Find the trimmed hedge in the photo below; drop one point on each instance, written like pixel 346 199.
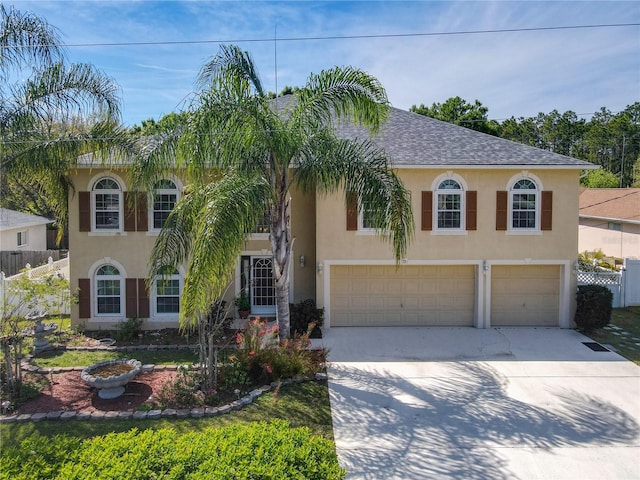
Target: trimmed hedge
pixel 257 450
pixel 594 307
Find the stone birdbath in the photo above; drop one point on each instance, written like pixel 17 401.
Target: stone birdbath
pixel 110 377
pixel 40 331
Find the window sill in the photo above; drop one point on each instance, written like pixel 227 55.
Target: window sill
pixel 258 236
pixel 524 232
pixel 449 232
pixel 107 234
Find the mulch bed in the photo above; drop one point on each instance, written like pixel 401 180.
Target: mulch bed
pixel 69 392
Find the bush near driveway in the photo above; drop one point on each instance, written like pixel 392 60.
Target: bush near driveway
pixel 257 450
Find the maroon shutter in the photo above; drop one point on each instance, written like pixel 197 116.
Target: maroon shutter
pixel 546 211
pixel 427 210
pixel 129 212
pixel 131 287
pixel 352 211
pixel 501 210
pixel 84 204
pixel 84 297
pixel 143 299
pixel 141 212
pixel 472 210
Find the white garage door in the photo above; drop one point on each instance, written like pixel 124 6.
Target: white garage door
pixel 405 296
pixel 525 295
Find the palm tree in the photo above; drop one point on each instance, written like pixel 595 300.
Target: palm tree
pixel 259 148
pixel 59 112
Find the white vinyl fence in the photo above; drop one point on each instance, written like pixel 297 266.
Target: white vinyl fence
pixel 625 285
pixel 11 297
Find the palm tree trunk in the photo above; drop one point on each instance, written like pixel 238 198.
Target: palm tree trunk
pixel 281 244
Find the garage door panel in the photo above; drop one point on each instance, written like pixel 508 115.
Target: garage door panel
pixel 409 295
pixel 526 295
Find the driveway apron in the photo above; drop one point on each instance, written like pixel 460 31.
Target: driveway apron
pixel 464 403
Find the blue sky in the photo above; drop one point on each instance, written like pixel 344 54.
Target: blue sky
pixel 513 74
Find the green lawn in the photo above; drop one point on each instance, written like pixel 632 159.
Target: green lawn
pixel 628 320
pixel 303 404
pixel 72 358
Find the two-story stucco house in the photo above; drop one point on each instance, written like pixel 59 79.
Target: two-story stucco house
pixel 496 238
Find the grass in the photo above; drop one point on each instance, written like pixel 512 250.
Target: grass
pixel 72 358
pixel 303 404
pixel 628 319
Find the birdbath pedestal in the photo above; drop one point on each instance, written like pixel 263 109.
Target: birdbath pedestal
pixel 40 330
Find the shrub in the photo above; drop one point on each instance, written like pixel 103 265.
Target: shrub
pixel 266 360
pixel 302 315
pixel 128 329
pixel 180 392
pixel 594 307
pixel 257 450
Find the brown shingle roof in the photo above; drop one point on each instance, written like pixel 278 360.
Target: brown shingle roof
pixel 615 203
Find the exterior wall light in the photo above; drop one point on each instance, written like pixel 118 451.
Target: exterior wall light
pixel 302 261
pixel 320 267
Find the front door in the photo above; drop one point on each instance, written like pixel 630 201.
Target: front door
pixel 263 292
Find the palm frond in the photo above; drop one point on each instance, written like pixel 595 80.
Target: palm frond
pixel 233 70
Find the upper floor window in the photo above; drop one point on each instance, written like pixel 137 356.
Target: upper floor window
pixel 264 224
pixel 367 218
pixel 107 205
pixel 164 199
pixel 109 290
pixel 449 206
pixel 614 226
pixel 167 292
pixel 22 238
pixel 524 205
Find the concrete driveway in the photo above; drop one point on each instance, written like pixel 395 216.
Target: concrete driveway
pixel 464 403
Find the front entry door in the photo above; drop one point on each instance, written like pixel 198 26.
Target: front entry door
pixel 263 292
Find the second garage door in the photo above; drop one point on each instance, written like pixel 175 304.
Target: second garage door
pixel 525 295
pixel 383 295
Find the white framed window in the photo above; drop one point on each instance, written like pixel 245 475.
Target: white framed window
pixel 106 199
pixel 263 228
pixel 449 205
pixel 166 195
pixel 166 293
pixel 366 219
pixel 22 238
pixel 524 205
pixel 109 291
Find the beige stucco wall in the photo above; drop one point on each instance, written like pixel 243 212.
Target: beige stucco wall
pixel 594 234
pixel 131 250
pixel 559 246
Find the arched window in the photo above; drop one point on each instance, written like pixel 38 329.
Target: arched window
pixel 165 196
pixel 109 290
pixel 166 292
pixel 524 205
pixel 107 205
pixel 449 205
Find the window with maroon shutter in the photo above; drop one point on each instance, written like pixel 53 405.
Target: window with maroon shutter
pixel 129 212
pixel 84 205
pixel 546 217
pixel 142 219
pixel 471 210
pixel 352 211
pixel 84 297
pixel 131 287
pixel 501 210
pixel 427 210
pixel 143 299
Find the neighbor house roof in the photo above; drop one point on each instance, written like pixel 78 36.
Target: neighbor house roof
pixel 11 219
pixel 621 204
pixel 411 140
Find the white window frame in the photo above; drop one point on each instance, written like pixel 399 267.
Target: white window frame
pixel 437 191
pixel 537 192
pixel 162 191
pixel 97 278
pixel 94 209
pixel 22 238
pixel 154 296
pixel 361 226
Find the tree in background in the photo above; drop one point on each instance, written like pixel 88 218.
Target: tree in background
pixel 611 140
pixel 50 111
pixel 457 111
pixel 600 179
pixel 260 148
